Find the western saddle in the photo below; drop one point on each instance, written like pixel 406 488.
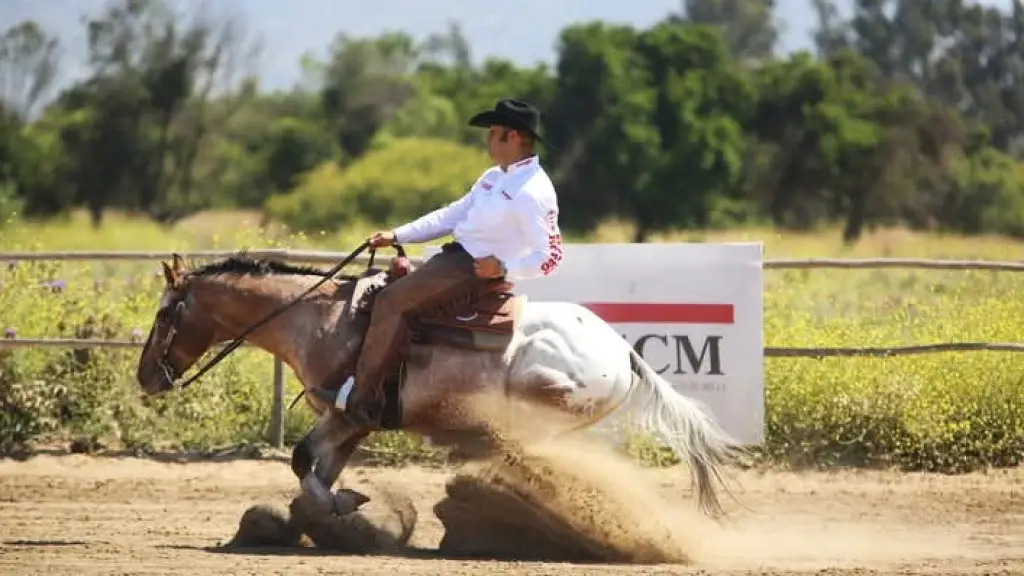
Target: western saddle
pixel 483 320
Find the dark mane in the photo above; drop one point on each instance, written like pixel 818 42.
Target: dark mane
pixel 244 265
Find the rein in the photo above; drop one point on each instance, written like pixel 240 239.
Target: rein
pixel 240 339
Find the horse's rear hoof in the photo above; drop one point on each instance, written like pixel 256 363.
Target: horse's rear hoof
pixel 346 501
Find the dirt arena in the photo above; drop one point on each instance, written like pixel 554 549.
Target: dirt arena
pixel 81 515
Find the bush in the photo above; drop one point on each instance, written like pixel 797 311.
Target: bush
pixel 945 412
pixel 986 194
pixel 398 182
pixel 10 204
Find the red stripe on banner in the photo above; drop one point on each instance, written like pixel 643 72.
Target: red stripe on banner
pixel 621 313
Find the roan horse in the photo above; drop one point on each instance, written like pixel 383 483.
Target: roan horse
pixel 553 353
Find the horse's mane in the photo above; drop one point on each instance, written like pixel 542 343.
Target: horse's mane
pixel 245 266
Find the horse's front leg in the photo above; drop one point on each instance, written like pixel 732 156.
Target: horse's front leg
pixel 328 469
pixel 319 458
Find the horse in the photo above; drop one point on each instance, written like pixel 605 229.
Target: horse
pixel 552 353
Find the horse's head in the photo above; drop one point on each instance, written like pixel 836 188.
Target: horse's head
pixel 181 332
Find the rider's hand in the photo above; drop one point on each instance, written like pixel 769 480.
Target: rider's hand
pixel 488 267
pixel 383 238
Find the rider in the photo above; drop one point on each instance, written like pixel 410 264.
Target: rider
pixel 505 227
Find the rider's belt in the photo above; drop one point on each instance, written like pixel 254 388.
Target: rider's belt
pixel 457 248
pixel 453 247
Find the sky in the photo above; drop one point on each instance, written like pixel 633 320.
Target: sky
pixel 523 31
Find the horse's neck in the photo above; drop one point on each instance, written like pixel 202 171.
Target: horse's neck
pixel 309 337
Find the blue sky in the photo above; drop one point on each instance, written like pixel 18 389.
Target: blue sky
pixel 523 31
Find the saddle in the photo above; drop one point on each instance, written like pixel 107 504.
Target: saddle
pixel 484 319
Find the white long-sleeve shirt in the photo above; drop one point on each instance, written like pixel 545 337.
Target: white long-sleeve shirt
pixel 510 215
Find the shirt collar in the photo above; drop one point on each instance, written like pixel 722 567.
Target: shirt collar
pixel 524 163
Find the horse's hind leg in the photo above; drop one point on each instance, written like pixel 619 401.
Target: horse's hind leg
pixel 555 392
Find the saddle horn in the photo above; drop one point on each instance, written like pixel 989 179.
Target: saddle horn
pixel 400 264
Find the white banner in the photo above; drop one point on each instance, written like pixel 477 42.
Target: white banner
pixel 693 311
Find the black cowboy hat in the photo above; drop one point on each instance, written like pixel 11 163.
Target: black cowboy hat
pixel 511 113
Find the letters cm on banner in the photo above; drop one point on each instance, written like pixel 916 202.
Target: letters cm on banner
pixel 693 311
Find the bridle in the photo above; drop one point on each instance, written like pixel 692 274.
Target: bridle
pixel 164 362
pixel 172 375
pixel 165 366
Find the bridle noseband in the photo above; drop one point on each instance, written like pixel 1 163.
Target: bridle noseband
pixel 165 366
pixel 164 363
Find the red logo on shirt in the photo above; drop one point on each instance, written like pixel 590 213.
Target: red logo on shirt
pixel 554 244
pixel 485 185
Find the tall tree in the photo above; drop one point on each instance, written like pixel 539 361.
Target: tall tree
pixel 364 82
pixel 29 63
pixel 747 26
pixel 149 104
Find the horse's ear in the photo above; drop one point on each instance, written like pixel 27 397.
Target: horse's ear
pixel 170 275
pixel 178 264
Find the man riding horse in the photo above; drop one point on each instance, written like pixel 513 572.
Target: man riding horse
pixel 555 354
pixel 505 228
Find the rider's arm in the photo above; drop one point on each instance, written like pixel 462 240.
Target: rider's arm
pixel 537 211
pixel 435 224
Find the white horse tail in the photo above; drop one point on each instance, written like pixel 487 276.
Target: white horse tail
pixel 686 427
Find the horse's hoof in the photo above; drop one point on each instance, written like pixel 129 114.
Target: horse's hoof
pixel 357 497
pixel 347 501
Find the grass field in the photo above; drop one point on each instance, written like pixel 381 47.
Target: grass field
pixel 955 411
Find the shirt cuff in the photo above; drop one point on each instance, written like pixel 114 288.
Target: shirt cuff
pixel 399 233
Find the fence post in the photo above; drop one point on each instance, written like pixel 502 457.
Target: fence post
pixel 276 426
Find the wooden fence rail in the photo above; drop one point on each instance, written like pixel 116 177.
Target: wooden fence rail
pixel 311 256
pixel 866 263
pixel 276 424
pixel 769 351
pixel 329 257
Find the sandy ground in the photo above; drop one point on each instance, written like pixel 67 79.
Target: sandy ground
pixel 81 515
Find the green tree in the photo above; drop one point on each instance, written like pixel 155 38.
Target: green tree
pixel 703 100
pixel 29 63
pixel 605 145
